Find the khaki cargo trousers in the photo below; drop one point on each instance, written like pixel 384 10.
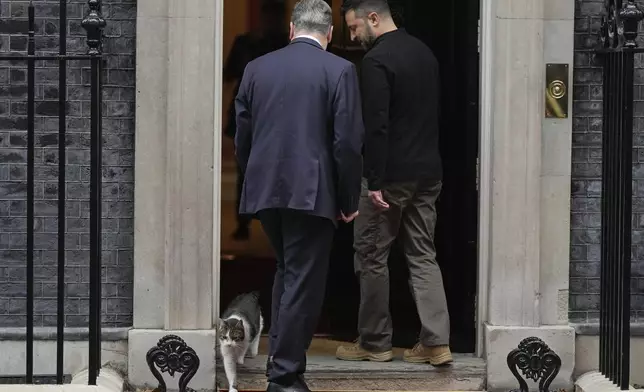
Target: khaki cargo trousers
pixel 412 216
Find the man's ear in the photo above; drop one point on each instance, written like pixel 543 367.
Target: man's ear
pixel 373 18
pixel 330 35
pixel 291 31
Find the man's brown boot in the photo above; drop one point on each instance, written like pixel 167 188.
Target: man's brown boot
pixel 436 355
pixel 357 353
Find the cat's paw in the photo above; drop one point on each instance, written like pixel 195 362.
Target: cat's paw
pixel 240 361
pixel 231 389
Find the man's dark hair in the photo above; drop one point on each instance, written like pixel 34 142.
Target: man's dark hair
pixel 364 7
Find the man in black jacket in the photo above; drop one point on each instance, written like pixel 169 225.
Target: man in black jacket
pixel 402 181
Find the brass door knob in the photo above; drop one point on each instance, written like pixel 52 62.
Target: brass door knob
pixel 557 89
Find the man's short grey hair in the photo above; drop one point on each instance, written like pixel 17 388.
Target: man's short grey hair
pixel 312 16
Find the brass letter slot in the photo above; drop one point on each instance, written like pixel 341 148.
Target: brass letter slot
pixel 557 90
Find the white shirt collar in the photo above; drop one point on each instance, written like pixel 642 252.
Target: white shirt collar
pixel 309 37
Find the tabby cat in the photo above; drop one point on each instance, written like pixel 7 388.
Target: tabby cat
pixel 239 330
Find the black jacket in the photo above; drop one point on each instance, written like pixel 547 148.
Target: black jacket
pixel 400 96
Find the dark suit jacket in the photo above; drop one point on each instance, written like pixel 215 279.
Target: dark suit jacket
pixel 299 132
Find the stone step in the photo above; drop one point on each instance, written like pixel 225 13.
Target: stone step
pixel 326 373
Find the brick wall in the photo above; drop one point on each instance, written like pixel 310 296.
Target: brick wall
pixel 586 172
pixel 118 173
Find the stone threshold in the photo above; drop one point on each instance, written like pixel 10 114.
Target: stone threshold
pixel 316 390
pixel 326 373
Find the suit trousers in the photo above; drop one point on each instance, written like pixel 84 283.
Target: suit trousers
pixel 411 215
pixel 302 245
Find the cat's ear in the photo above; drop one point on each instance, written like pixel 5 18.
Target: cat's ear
pixel 239 324
pixel 219 324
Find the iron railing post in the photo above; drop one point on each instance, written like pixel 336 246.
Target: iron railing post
pixel 62 126
pixel 94 24
pixel 31 86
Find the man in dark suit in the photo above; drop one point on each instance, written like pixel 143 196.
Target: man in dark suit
pixel 299 141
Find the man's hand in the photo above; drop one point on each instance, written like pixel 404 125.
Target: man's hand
pixel 378 200
pixel 349 218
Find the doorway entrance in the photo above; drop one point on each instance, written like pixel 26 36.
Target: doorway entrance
pixel 450 29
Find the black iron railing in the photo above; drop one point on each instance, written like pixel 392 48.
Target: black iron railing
pixel 617 54
pixel 94 24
